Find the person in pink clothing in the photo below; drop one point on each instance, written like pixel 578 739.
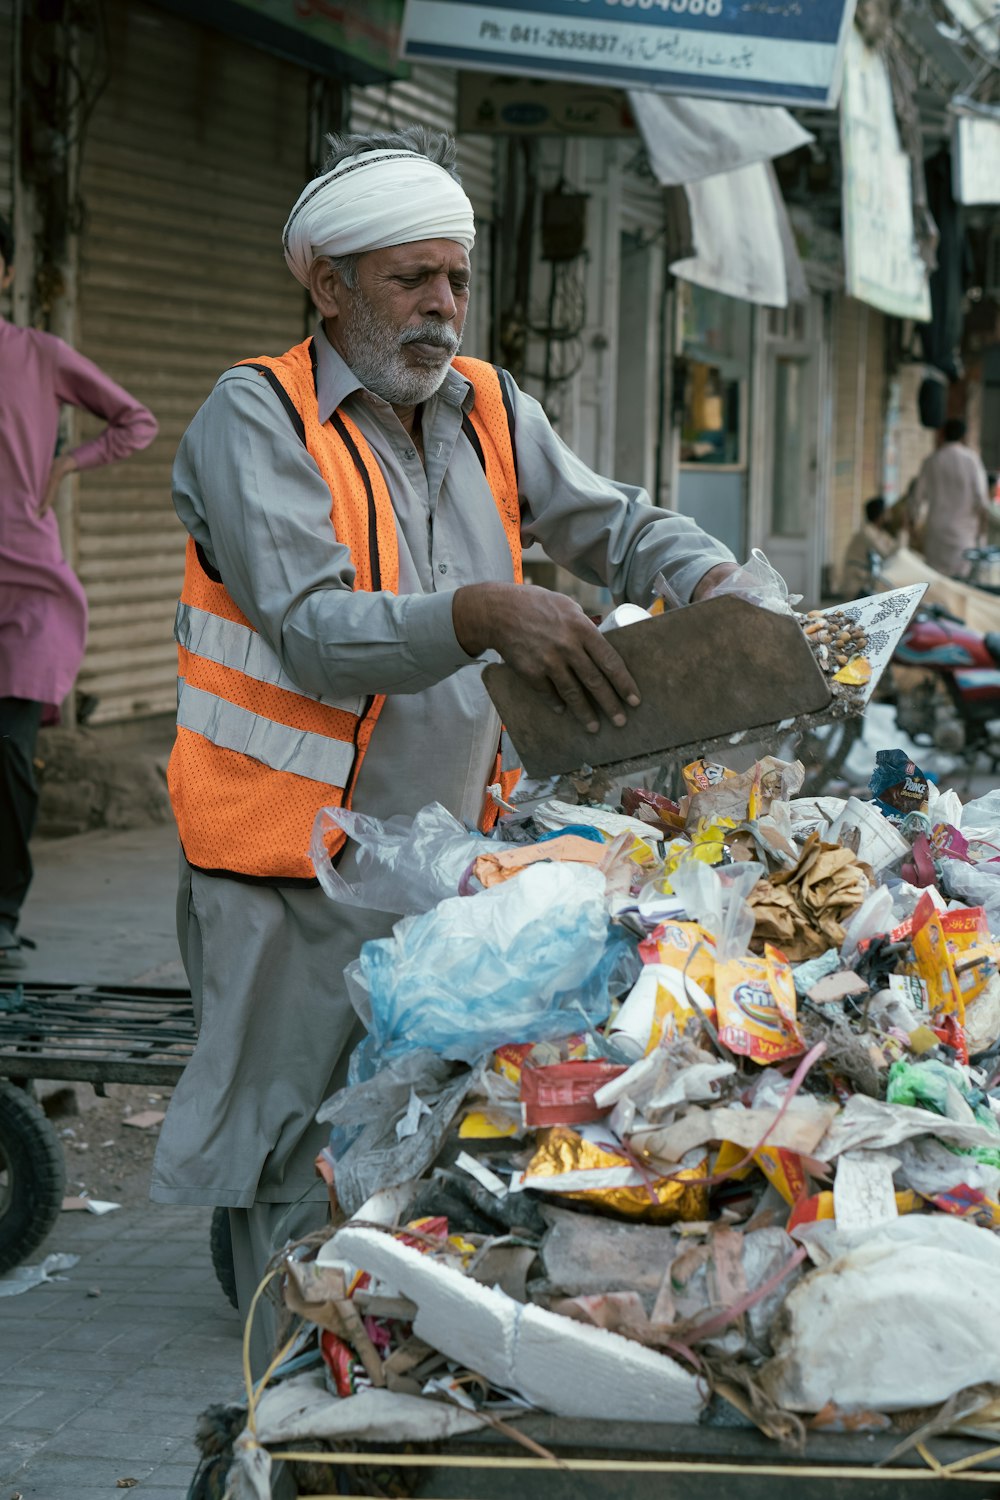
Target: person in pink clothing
pixel 43 609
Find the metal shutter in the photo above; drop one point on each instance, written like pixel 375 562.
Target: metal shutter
pixel 6 107
pixel 430 97
pixel 192 160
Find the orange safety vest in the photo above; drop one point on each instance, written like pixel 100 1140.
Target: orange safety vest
pixel 255 757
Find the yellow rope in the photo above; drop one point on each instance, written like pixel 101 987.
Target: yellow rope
pixel 644 1466
pixel 949 1471
pixel 254 1392
pixel 928 1458
pixel 960 1470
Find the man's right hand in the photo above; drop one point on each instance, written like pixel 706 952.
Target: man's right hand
pixel 547 639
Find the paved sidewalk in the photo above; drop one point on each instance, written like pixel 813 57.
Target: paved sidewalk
pixel 101 909
pixel 94 1389
pixel 98 1388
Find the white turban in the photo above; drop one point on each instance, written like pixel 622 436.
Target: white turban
pixel 372 200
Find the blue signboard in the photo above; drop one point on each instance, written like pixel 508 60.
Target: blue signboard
pixel 767 51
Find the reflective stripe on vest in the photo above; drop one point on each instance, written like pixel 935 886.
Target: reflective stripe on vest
pixel 296 751
pixel 255 757
pixel 241 647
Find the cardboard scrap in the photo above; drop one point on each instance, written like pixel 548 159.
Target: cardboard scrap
pixel 493 869
pixel 803 910
pixel 800 1129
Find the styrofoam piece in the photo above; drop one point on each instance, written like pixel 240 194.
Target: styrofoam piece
pixel 564 1367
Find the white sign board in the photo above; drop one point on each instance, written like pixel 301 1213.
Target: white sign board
pixel 883 263
pixel 761 51
pixel 975 159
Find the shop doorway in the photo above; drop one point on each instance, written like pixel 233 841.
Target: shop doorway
pixel 789 517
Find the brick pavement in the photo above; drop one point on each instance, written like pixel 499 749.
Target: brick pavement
pixel 94 1389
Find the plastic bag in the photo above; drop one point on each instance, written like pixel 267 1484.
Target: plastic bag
pixel 976 885
pixel 717 899
pixel 874 916
pixel 405 865
pixel 524 961
pixel 757 581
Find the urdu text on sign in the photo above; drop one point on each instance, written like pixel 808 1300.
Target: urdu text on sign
pixel 768 51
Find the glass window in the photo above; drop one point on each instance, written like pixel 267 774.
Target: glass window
pixel 716 334
pixel 790 503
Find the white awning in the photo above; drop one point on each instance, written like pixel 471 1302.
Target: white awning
pixel 690 139
pixel 721 154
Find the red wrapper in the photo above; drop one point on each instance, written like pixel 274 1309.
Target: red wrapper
pixel 563 1093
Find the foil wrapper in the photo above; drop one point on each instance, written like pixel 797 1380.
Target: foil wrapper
pixel 591 1168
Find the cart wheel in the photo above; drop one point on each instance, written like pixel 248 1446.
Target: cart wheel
pixel 221 1242
pixel 32 1175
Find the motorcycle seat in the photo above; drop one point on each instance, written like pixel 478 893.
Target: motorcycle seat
pixel 992 639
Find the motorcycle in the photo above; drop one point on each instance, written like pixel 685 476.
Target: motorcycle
pixel 948 691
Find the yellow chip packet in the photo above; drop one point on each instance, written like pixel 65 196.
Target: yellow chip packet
pixel 685 946
pixel 757 1009
pixel 700 775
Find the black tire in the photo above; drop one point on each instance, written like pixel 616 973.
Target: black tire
pixel 32 1176
pixel 221 1241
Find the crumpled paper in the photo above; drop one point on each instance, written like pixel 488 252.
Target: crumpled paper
pixel 802 911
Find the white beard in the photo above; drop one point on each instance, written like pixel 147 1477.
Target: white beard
pixel 373 349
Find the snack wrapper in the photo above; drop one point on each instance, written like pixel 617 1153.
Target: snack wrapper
pixel 590 1166
pixel 700 775
pixel 685 946
pixel 898 785
pixel 653 808
pixel 347 1374
pixel 563 1093
pixel 783 1170
pixel 509 1060
pixel 757 1009
pixel 954 956
pixel 493 1124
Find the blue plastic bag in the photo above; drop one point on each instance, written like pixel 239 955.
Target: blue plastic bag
pixel 524 961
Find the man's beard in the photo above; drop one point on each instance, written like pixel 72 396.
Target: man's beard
pixel 373 349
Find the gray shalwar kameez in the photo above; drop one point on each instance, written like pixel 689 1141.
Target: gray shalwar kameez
pixel 265 962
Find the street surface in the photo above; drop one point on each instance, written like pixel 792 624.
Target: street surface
pixel 103 1374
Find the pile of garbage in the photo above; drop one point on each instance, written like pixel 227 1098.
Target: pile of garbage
pixel 673 1108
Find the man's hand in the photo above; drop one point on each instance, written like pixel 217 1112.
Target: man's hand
pixel 548 640
pixel 60 468
pixel 712 579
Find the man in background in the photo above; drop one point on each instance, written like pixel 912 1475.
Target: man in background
pixel 43 610
pixel 878 538
pixel 952 503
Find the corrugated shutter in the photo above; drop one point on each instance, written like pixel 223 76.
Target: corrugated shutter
pixel 430 97
pixel 192 159
pixel 6 107
pixel 849 353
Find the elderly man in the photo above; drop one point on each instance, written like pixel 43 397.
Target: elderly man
pixel 356 510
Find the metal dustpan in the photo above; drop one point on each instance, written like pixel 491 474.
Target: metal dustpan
pixel 710 674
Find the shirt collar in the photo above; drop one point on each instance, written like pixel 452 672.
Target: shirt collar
pixel 335 381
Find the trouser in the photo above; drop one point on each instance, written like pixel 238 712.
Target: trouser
pixel 258 1233
pixel 20 719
